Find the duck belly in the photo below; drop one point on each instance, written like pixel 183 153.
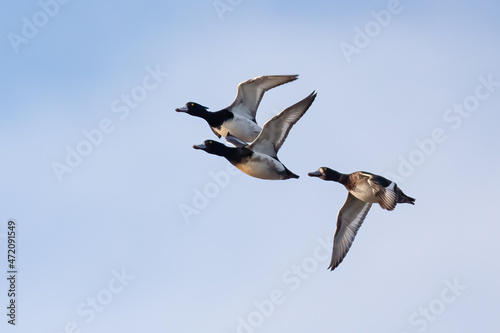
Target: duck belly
pixel 240 127
pixel 364 192
pixel 263 167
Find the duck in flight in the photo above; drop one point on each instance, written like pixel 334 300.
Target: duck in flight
pixel 238 119
pixel 259 159
pixel 364 189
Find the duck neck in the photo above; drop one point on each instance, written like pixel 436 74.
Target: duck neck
pixel 236 154
pixel 344 180
pixel 336 176
pixel 203 113
pixel 216 119
pixel 223 151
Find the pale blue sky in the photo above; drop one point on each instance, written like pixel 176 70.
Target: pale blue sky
pixel 119 210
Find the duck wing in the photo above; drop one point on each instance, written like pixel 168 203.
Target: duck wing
pixel 384 189
pixel 216 134
pixel 349 220
pixel 235 141
pixel 251 91
pixel 275 131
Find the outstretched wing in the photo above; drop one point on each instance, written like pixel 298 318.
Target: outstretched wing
pixel 250 93
pixel 275 131
pixel 349 220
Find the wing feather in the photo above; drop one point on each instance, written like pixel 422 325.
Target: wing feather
pixel 385 192
pixel 275 131
pixel 349 220
pixel 251 91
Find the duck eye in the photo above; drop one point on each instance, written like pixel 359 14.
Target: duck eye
pixel 192 104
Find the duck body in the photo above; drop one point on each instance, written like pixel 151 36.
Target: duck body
pixel 241 127
pixel 364 189
pixel 224 122
pixel 369 187
pixel 263 166
pixel 238 119
pixel 252 163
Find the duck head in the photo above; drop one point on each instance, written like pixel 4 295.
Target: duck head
pixel 213 147
pixel 326 174
pixel 193 109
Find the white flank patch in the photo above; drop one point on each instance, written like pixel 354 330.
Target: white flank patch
pixel 240 127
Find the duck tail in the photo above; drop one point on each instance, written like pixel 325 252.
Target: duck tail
pixel 403 198
pixel 290 174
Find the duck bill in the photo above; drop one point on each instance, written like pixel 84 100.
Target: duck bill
pixel 200 146
pixel 314 174
pixel 183 109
